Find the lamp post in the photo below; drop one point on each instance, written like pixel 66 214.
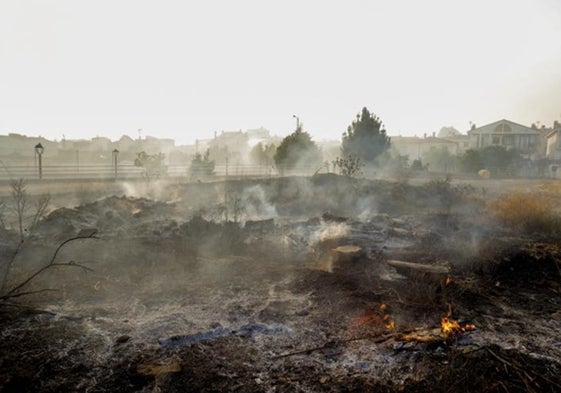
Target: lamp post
pixel 297 121
pixel 115 154
pixel 39 152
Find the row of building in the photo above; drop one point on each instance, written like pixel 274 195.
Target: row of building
pixel 532 142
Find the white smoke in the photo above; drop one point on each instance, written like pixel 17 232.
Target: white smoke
pixel 256 205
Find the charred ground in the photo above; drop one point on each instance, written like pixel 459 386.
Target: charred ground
pixel 198 289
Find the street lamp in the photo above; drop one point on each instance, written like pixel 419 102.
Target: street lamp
pixel 115 154
pixel 297 121
pixel 39 152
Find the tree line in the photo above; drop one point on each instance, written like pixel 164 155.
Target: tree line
pixel 365 144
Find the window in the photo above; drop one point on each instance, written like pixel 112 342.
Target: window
pixel 503 128
pixel 496 140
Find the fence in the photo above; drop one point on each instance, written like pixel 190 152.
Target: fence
pixel 129 171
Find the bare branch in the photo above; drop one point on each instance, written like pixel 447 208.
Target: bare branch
pixel 19 195
pixel 41 206
pixel 73 264
pixel 7 296
pixel 12 292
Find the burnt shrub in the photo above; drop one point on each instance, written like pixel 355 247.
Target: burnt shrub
pixel 208 237
pixel 527 213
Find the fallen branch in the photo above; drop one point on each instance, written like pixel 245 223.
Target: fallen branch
pixel 334 344
pixel 411 266
pixel 12 293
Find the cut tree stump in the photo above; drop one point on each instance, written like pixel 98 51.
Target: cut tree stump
pixel 345 258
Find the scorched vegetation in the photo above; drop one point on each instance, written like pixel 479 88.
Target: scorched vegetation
pixel 298 284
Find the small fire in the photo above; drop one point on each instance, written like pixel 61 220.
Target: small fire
pixel 389 323
pixel 451 328
pixel 372 320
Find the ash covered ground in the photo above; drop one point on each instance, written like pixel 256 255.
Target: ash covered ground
pixel 285 285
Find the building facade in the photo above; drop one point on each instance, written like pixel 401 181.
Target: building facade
pixel 507 134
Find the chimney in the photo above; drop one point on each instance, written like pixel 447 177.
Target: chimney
pixel 473 126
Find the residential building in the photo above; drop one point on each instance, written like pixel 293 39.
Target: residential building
pixel 417 148
pixel 508 134
pixel 553 145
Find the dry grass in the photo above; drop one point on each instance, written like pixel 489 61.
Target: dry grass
pixel 527 212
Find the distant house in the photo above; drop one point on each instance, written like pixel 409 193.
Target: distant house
pixel 17 145
pixel 553 145
pixel 508 134
pixel 229 146
pixel 125 143
pixel 261 134
pixel 447 132
pixel 416 148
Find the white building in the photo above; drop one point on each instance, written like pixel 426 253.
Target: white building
pixel 507 134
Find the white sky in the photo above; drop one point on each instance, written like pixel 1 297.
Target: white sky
pixel 184 69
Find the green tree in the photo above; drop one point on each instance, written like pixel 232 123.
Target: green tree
pixel 497 159
pixel 261 154
pixel 500 161
pixel 365 138
pixel 348 166
pixel 297 150
pixel 417 165
pixel 471 162
pixel 153 164
pixel 201 165
pixel 440 159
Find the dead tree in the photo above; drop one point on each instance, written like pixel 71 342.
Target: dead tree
pixel 20 199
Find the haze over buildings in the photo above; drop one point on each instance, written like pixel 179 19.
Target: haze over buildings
pixel 184 70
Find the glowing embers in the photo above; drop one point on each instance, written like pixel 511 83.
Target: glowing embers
pixel 372 322
pixel 451 328
pixel 379 323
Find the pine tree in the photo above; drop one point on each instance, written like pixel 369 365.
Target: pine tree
pixel 297 150
pixel 365 138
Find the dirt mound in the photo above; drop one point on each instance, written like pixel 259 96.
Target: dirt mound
pixel 125 216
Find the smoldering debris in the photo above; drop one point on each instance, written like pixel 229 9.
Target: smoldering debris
pixel 112 216
pixel 294 292
pixel 249 330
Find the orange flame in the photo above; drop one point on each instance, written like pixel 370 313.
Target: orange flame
pixel 451 328
pixel 389 322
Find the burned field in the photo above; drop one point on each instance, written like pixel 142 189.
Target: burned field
pixel 323 284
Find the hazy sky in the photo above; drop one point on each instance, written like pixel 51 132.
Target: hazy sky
pixel 184 69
